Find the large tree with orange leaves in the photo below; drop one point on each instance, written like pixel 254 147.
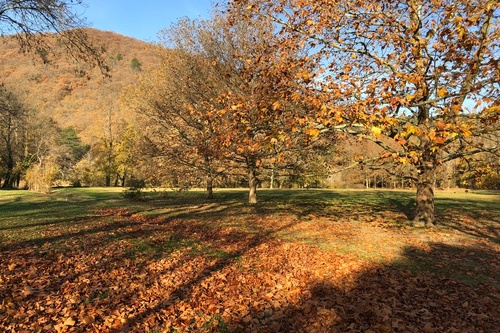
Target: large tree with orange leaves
pixel 214 111
pixel 424 73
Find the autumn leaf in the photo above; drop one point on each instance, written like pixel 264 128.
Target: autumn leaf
pixel 69 322
pixel 442 92
pixel 376 130
pixel 314 132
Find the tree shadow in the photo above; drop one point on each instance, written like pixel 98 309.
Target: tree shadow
pixel 155 266
pixel 424 292
pixel 107 264
pixel 476 218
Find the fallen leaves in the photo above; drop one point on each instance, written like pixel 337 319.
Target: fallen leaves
pixel 126 273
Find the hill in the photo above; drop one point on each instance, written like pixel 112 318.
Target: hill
pixel 72 93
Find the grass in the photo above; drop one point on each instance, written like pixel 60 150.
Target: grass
pixel 111 247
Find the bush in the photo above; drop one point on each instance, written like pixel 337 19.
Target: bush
pixel 41 177
pixel 133 193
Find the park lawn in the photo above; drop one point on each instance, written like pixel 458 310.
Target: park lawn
pixel 88 260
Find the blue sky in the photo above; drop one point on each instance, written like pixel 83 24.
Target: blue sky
pixel 142 19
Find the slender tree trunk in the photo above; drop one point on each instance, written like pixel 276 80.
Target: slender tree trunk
pixel 123 178
pixel 273 171
pixel 210 191
pixel 10 156
pixel 9 175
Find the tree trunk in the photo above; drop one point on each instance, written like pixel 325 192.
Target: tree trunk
pixel 252 183
pixel 424 211
pixel 9 175
pixel 123 178
pixel 273 171
pixel 210 191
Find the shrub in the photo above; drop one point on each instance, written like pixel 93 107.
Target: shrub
pixel 133 193
pixel 41 177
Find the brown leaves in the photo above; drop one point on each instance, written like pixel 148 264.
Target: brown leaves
pixel 127 274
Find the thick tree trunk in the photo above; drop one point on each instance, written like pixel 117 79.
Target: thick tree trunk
pixel 424 210
pixel 252 183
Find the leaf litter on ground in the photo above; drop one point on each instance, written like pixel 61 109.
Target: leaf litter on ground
pixel 252 272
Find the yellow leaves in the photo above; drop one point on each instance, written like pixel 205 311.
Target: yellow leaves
pixel 456 108
pixel 442 92
pixel 314 132
pixel 461 31
pixel 69 322
pixel 304 75
pixel 376 130
pixel 235 107
pixel 276 105
pixel 296 97
pixel 412 129
pixel 465 130
pixel 493 109
pixel 410 98
pixel 440 125
pixel 324 108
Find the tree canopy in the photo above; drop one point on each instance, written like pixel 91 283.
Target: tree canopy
pixel 422 73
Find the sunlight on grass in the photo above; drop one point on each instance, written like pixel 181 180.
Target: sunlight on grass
pixel 92 250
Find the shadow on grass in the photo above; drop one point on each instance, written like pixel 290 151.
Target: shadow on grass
pixel 477 218
pixel 396 298
pixel 120 261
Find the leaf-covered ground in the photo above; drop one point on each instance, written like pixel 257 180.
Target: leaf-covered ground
pixel 300 261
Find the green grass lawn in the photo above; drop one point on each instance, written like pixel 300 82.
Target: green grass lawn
pixel 89 260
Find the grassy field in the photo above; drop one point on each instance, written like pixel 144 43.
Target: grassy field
pixel 89 260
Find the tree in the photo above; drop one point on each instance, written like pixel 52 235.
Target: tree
pixel 135 64
pixel 32 21
pixel 423 73
pixel 71 152
pixel 177 98
pixel 12 121
pixel 210 116
pixel 259 126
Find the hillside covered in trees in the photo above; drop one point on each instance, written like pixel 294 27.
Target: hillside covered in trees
pixel 67 111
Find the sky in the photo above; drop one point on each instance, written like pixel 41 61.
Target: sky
pixel 142 19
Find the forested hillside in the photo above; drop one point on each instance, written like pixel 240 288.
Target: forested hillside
pixel 61 120
pixel 70 92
